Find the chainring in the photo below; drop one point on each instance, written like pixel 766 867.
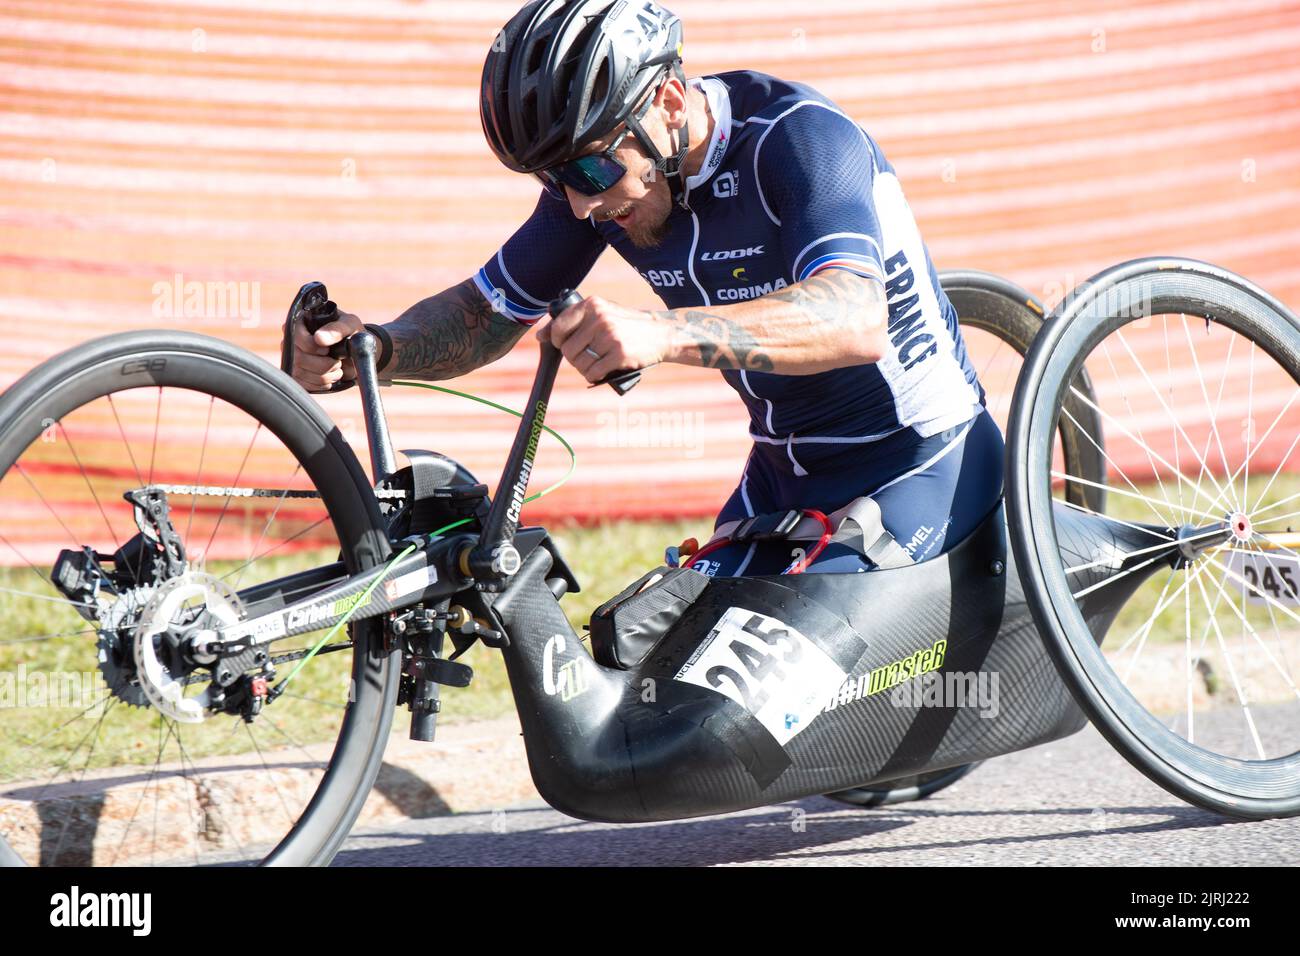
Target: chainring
pixel 116 620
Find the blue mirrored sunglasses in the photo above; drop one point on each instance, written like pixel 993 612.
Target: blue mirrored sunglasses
pixel 589 175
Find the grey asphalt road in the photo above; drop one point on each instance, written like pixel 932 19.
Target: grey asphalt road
pixel 1073 802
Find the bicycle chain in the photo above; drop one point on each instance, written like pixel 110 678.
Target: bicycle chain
pixel 217 491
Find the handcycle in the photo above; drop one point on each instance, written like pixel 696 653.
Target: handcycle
pixel 750 691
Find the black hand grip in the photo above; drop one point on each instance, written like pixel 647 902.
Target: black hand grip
pixel 567 298
pixel 313 308
pixel 622 380
pixel 314 318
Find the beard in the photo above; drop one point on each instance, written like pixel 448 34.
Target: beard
pixel 648 232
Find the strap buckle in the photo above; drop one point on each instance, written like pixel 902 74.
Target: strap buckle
pixel 765 527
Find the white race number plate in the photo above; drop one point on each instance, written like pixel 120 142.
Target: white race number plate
pixel 767 667
pixel 1271 574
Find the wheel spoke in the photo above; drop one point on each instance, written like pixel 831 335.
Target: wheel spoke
pixel 112 535
pixel 1250 629
pixel 1145 628
pixel 45 637
pixel 1216 502
pixel 1120 491
pixel 1113 520
pixel 45 597
pixel 1115 577
pixel 1277 632
pixel 198 475
pixel 1141 438
pixel 277 547
pixel 1260 444
pixel 1281 466
pixel 1205 395
pixel 226 504
pixel 1232 672
pixel 1250 424
pixel 1133 554
pixel 1178 428
pixel 1120 471
pixel 266 527
pixel 288 815
pixel 1277 504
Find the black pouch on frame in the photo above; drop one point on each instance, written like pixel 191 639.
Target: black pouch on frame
pixel 628 626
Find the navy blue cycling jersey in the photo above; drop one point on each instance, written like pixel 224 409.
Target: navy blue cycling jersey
pixel 790 186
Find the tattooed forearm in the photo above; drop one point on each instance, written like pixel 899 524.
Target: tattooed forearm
pixel 720 342
pixel 828 321
pixel 449 334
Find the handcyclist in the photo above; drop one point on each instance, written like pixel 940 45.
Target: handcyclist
pixel 778 237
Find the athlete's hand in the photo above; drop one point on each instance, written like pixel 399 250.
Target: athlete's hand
pixel 313 368
pixel 599 337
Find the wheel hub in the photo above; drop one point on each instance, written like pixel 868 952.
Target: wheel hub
pixel 1239 526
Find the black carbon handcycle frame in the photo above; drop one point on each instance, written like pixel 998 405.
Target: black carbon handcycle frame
pixel 770 688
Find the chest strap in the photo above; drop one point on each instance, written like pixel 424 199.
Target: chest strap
pixel 857 525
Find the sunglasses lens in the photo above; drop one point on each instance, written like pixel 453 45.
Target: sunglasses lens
pixel 589 175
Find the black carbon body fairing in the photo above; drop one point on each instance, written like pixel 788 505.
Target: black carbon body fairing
pixel 941 665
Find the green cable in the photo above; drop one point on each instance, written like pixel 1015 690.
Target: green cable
pixel 573 457
pixel 361 599
pixel 365 595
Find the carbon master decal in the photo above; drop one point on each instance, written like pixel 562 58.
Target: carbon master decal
pixel 889 675
pixel 526 467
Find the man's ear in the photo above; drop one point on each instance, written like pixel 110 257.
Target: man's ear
pixel 671 98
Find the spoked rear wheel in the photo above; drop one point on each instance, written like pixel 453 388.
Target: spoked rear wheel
pixel 112 749
pixel 1172 613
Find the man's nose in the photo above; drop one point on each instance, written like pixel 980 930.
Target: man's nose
pixel 581 205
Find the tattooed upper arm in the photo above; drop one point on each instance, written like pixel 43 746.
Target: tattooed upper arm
pixel 450 334
pixel 845 300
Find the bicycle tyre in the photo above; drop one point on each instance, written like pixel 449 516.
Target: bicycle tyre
pixel 992 304
pixel 213 367
pixel 904 789
pixel 1249 789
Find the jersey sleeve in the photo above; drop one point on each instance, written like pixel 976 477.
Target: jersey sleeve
pixel 549 253
pixel 816 170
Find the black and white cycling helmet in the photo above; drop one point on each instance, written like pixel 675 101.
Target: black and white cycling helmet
pixel 563 73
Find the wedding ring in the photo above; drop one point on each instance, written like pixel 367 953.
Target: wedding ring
pixel 592 352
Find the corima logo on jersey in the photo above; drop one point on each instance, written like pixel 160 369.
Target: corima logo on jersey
pixel 906 325
pixel 749 291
